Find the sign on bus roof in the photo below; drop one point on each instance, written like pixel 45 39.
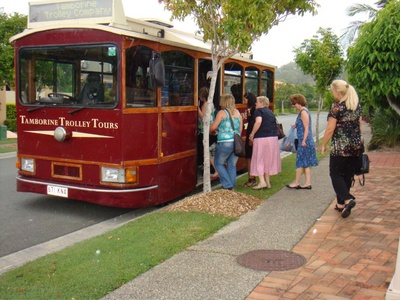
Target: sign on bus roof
pixel 77 11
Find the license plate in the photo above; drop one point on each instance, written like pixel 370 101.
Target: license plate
pixel 57 191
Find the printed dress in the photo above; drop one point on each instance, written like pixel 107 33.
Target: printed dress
pixel 306 156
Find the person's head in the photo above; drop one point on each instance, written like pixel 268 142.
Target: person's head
pixel 203 93
pixel 262 101
pixel 227 102
pixel 298 99
pixel 344 92
pixel 251 99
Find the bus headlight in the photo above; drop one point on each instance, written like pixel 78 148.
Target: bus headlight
pixel 28 165
pixel 112 175
pixel 117 175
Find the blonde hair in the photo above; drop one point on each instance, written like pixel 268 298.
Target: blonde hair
pixel 228 102
pixel 264 100
pixel 348 93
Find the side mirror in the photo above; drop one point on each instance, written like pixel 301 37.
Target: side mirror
pixel 157 70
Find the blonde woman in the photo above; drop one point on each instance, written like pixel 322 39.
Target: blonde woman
pixel 266 159
pixel 225 160
pixel 344 129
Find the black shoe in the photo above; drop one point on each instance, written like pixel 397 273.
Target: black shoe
pixel 347 209
pixel 297 187
pixel 308 187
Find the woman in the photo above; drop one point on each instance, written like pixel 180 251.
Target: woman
pixel 266 158
pixel 306 154
pixel 251 100
pixel 344 119
pixel 225 160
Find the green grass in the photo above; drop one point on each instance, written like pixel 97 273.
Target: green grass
pixel 125 253
pixel 4 145
pixel 77 272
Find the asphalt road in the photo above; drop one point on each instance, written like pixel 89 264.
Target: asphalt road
pixel 28 219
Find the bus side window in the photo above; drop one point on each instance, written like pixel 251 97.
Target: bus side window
pixel 178 87
pixel 139 91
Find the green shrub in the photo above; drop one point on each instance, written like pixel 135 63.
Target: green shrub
pixel 11 111
pixel 11 124
pixel 385 127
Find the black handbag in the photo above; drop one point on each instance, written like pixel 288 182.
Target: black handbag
pixel 239 148
pixel 361 169
pixel 279 129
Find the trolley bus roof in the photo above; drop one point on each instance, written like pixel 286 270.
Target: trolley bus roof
pixel 108 15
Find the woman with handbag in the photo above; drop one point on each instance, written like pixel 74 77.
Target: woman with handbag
pixel 344 119
pixel 306 154
pixel 266 159
pixel 225 159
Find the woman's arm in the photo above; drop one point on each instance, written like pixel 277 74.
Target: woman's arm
pixel 256 126
pixel 306 123
pixel 218 118
pixel 330 129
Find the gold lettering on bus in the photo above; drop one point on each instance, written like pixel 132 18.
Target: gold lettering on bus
pixel 62 121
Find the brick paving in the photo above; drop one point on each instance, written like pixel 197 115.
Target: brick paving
pixel 351 258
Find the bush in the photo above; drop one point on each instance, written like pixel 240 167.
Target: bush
pixel 385 128
pixel 11 111
pixel 11 124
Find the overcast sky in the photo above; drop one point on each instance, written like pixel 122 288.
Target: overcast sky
pixel 275 48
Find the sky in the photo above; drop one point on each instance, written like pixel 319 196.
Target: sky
pixel 275 48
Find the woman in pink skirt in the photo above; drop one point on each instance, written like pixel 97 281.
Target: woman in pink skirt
pixel 266 159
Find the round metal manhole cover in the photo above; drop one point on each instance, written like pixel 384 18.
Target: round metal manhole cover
pixel 271 260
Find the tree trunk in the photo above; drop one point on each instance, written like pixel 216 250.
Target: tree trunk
pixel 206 126
pixel 317 122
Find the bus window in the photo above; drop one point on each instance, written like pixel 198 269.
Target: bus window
pixel 233 81
pixel 267 81
pixel 139 91
pixel 178 88
pixel 65 75
pixel 252 75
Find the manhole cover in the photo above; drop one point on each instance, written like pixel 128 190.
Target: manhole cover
pixel 271 260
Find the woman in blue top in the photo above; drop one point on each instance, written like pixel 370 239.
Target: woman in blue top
pixel 306 153
pixel 225 160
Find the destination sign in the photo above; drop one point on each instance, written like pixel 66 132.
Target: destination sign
pixel 70 10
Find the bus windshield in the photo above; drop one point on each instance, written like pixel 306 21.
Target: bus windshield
pixel 77 76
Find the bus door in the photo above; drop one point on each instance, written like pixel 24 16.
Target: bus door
pixel 177 170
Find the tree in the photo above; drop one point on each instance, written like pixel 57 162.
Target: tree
pixel 352 30
pixel 231 26
pixel 374 60
pixel 320 57
pixel 9 26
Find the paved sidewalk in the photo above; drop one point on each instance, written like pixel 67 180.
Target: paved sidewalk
pixel 351 258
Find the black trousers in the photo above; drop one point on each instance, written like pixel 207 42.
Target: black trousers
pixel 341 171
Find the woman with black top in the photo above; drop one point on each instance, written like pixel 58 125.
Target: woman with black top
pixel 251 107
pixel 266 159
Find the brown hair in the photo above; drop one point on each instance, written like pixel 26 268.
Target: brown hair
pixel 298 99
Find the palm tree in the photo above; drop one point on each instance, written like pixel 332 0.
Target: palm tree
pixel 352 30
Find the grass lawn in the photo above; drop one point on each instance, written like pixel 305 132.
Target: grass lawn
pixel 8 145
pixel 93 268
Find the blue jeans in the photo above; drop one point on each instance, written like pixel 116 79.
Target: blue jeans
pixel 225 163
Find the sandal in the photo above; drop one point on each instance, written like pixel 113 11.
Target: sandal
pixel 339 209
pixel 250 183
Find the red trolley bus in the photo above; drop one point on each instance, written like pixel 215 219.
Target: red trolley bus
pixel 107 105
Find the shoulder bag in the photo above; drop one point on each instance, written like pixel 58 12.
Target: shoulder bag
pixel 239 148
